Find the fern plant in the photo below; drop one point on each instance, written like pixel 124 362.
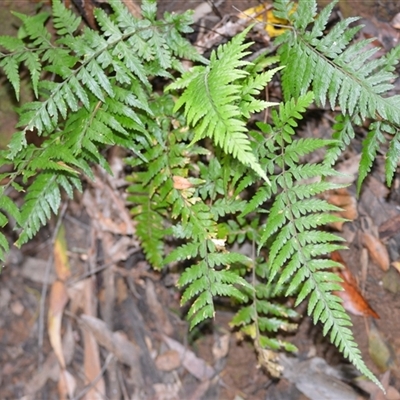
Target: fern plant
pixel 92 90
pixel 202 180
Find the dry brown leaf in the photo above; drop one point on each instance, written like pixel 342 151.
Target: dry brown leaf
pixel 115 342
pixel 201 390
pixel 221 347
pixel 181 183
pixel 168 361
pixel 375 392
pixel 106 207
pixel 76 296
pixel 343 199
pixel 66 385
pixel 157 309
pixel 61 263
pixel 377 250
pixel 50 370
pixel 91 363
pixel 58 301
pixel 389 228
pixel 195 365
pixel 167 391
pixel 316 379
pixel 133 8
pixel 353 300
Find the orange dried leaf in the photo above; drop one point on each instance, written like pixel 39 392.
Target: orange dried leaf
pixel 181 183
pixel 377 250
pixel 353 300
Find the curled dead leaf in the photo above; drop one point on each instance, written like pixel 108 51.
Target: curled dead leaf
pixel 353 301
pixel 377 250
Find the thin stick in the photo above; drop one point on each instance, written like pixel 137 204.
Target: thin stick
pixel 107 361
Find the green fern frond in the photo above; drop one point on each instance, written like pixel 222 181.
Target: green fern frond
pixel 150 225
pixel 203 282
pixel 8 210
pixel 335 70
pixel 346 74
pixel 11 70
pixel 226 96
pixel 43 198
pixel 371 145
pixel 392 157
pixel 343 134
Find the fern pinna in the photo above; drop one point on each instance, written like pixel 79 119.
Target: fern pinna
pixel 346 75
pixel 92 90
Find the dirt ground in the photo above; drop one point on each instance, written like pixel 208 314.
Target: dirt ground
pixel 139 339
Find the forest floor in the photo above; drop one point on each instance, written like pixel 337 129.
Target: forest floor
pixel 125 317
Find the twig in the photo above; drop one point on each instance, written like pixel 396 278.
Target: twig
pixel 107 361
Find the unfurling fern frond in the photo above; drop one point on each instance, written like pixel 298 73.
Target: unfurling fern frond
pixel 344 73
